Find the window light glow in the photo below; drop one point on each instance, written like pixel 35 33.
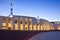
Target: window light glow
pixel 16 24
pixel 21 24
pixel 34 28
pixel 26 24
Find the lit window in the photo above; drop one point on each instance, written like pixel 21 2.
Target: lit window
pixel 16 24
pixel 38 25
pixel 9 20
pixel 21 23
pixel 26 24
pixel 30 24
pixel 9 24
pixel 58 27
pixel 41 27
pixel 21 26
pixel 34 27
pixel 4 23
pixel 3 27
pixel 4 20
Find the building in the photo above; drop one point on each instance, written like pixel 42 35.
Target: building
pixel 56 25
pixel 51 26
pixel 19 23
pixel 26 23
pixel 45 24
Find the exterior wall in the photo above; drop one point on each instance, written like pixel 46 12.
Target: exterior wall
pixel 25 26
pixel 51 26
pixel 58 27
pixel 34 23
pixel 27 23
pixel 3 23
pixel 55 26
pixel 38 24
pixel 45 24
pixel 15 25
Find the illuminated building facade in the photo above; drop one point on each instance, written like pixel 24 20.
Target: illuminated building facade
pixel 19 23
pixel 45 24
pixel 24 23
pixel 56 25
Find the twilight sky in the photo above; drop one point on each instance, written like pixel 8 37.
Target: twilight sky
pixel 46 9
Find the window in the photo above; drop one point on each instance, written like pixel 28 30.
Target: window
pixel 30 24
pixel 21 23
pixel 9 24
pixel 9 20
pixel 4 23
pixel 21 20
pixel 26 23
pixel 3 27
pixel 34 26
pixel 16 24
pixel 38 26
pixel 4 20
pixel 9 28
pixel 16 21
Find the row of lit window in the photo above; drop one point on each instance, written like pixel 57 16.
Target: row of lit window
pixel 16 26
pixel 21 24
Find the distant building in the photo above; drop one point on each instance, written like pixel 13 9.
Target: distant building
pixel 56 25
pixel 51 25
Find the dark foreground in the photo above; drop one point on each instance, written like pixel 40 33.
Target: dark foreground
pixel 19 35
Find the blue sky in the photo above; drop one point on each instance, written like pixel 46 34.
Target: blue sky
pixel 46 9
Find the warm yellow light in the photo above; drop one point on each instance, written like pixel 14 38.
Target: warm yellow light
pixel 21 26
pixel 3 24
pixel 58 28
pixel 26 26
pixel 16 26
pixel 30 24
pixel 26 23
pixel 21 23
pixel 3 28
pixel 47 28
pixel 30 27
pixel 39 28
pixel 9 24
pixel 34 28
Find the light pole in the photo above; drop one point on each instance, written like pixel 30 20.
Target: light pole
pixel 11 8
